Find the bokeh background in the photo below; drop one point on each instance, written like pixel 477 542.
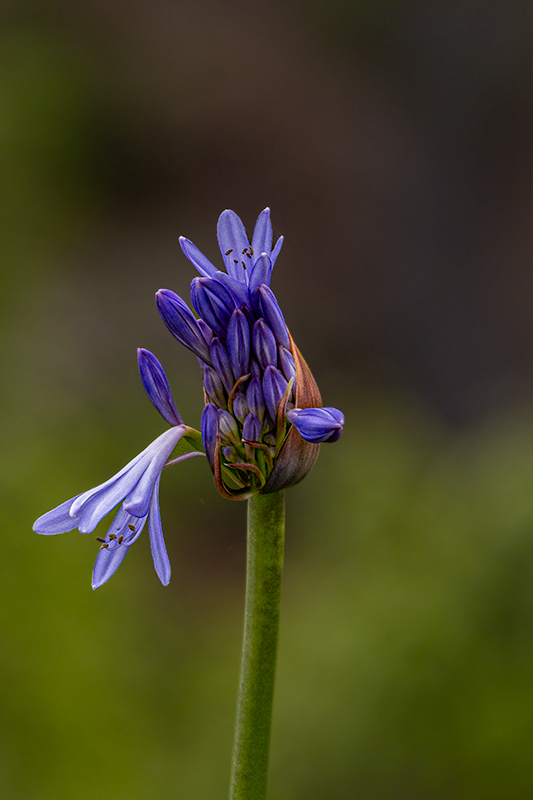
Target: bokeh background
pixel 393 140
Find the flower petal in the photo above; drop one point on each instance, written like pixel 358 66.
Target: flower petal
pixel 196 257
pixel 275 251
pixel 157 387
pixel 58 520
pixel 233 243
pixel 111 557
pixel 262 238
pixel 157 541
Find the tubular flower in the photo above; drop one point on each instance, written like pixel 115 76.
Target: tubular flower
pixel 263 418
pixel 136 487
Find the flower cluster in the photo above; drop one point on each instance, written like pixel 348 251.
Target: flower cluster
pixel 263 418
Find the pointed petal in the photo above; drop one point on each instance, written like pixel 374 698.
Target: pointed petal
pixel 157 387
pixel 262 238
pixel 233 241
pixel 197 258
pixel 157 541
pixel 275 251
pixel 261 272
pixel 110 558
pixel 58 520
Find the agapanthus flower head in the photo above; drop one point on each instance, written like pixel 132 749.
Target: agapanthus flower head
pixel 263 419
pixel 256 382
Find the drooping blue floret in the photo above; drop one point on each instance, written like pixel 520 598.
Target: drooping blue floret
pixel 317 424
pixel 136 487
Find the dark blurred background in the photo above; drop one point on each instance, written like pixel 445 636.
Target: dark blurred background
pixel 393 142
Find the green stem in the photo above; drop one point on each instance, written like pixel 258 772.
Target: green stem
pixel 266 527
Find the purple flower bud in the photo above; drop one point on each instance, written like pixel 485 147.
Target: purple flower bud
pixel 240 407
pixel 274 385
pixel 264 343
pixel 228 428
pixel 156 386
pixel 251 429
pixel 230 454
pixel 265 305
pixel 206 330
pixel 181 323
pixel 238 341
pixel 261 272
pixel 255 398
pixel 210 431
pixel 255 369
pixel 213 386
pixel 213 302
pixel 219 356
pixel 286 363
pixel 317 424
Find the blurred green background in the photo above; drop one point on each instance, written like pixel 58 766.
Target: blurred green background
pixel 393 142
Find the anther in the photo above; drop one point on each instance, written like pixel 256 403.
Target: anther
pixel 235 260
pixel 120 539
pixel 131 527
pixel 251 251
pixel 228 251
pixel 245 250
pixel 112 536
pixel 104 546
pixel 99 539
pixel 244 265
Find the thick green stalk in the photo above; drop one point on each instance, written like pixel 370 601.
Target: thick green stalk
pixel 266 527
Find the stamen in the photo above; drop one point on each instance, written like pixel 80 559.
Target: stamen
pixel 244 265
pixel 120 539
pixel 228 251
pixel 131 527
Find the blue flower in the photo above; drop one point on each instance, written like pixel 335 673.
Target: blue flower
pixel 136 487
